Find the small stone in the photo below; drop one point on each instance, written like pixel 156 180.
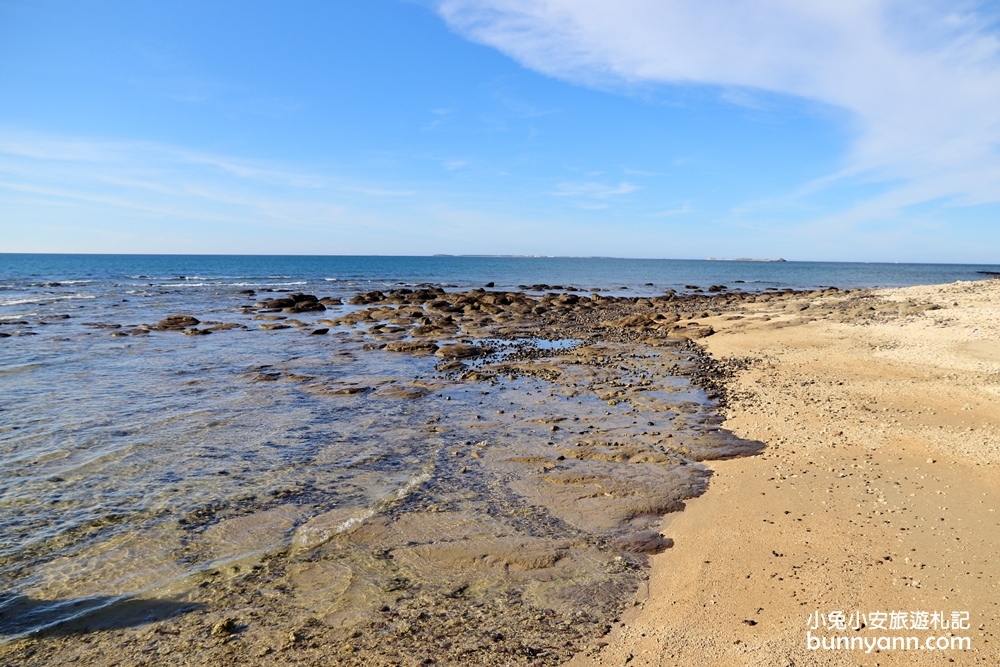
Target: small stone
pixel 224 628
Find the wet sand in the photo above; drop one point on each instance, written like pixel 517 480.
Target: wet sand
pixel 877 490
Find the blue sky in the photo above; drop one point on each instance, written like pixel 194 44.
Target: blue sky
pixel 865 130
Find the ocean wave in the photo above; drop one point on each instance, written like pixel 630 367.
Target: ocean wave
pixel 302 282
pixel 19 302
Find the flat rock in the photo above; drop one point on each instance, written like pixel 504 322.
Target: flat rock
pixel 644 542
pixel 462 351
pixel 176 322
pixel 412 346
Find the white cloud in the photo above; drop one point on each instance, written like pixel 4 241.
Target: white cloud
pixel 141 191
pixel 921 79
pixel 593 190
pixel 670 213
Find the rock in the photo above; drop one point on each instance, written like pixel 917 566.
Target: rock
pixel 271 326
pixel 349 391
pixel 176 323
pixel 196 332
pixel 692 331
pixel 369 297
pixel 448 366
pixel 412 346
pixel 644 542
pixel 319 332
pixel 224 628
pixel 403 391
pixel 304 307
pixel 462 351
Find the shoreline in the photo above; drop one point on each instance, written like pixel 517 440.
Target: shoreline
pixel 582 505
pixel 875 493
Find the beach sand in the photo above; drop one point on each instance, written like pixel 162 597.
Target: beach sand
pixel 877 490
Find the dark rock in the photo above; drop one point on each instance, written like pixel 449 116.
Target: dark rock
pixel 349 391
pixel 369 297
pixel 412 346
pixel 449 366
pixel 319 332
pixel 462 351
pixel 176 323
pixel 644 542
pixel 305 307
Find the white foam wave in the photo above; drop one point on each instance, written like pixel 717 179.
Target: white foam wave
pixel 19 302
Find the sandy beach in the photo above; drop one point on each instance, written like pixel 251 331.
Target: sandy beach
pixel 876 493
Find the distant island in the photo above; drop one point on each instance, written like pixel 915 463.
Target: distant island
pixel 441 254
pixel 744 259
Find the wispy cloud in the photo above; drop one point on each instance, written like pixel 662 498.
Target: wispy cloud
pixel 377 192
pixel 593 190
pixel 107 185
pixel 920 78
pixel 672 212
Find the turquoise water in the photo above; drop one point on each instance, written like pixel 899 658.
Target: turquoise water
pixel 19 273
